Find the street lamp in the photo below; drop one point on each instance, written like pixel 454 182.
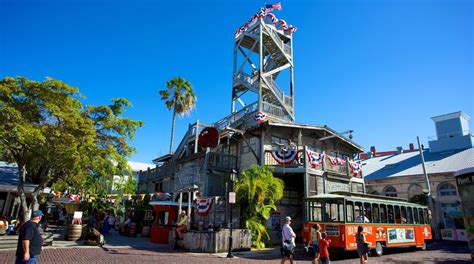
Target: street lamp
pixel 231 201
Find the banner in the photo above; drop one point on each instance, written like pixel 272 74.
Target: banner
pixel 315 159
pixel 203 205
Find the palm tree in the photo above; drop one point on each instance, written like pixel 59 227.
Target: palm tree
pixel 180 97
pixel 257 192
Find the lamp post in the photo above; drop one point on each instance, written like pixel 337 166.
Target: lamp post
pixel 231 201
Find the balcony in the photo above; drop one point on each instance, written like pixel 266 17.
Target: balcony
pixel 211 160
pixel 298 161
pixel 333 165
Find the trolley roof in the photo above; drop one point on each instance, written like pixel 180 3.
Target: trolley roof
pixel 364 198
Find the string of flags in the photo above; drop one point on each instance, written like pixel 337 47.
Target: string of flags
pixel 269 18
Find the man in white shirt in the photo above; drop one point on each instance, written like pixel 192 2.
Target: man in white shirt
pixel 288 240
pixel 362 219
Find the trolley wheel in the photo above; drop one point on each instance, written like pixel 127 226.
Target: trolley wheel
pixel 378 249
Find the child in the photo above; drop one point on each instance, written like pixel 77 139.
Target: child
pixel 323 249
pixel 316 237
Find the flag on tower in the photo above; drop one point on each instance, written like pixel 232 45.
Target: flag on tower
pixel 273 7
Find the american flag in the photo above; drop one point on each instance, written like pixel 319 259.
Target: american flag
pixel 271 7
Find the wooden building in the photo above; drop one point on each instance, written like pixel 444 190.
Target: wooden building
pixel 261 130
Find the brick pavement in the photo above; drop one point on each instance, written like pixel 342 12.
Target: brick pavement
pixel 438 254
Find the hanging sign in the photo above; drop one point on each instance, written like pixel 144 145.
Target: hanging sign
pixel 232 197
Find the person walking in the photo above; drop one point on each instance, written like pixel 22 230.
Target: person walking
pixel 29 241
pixel 288 239
pixel 323 249
pixel 316 238
pixel 362 245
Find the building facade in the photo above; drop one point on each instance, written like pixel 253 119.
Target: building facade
pixel 400 173
pixel 261 130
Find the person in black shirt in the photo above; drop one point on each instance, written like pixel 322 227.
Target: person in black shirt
pixel 29 240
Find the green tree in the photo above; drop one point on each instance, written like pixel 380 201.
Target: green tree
pixel 48 133
pixel 180 97
pixel 257 192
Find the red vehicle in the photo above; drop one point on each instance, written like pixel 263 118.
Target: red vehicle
pixel 387 221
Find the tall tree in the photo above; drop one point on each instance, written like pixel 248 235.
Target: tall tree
pixel 178 96
pixel 257 193
pixel 49 134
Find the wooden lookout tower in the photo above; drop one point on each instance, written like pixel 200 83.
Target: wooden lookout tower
pixel 263 51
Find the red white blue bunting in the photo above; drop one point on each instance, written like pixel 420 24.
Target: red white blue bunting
pixel 335 161
pixel 356 168
pixel 284 156
pixel 260 117
pixel 315 158
pixel 280 24
pixel 203 205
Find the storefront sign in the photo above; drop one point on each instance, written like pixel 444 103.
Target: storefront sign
pixel 338 186
pixel 400 235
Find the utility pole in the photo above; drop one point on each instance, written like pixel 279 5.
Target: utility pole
pixel 427 191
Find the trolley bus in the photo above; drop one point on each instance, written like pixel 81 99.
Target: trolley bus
pixel 387 221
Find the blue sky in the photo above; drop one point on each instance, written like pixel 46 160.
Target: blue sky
pixel 380 67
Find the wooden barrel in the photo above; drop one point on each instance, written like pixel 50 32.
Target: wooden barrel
pixel 133 229
pixel 75 232
pixel 146 231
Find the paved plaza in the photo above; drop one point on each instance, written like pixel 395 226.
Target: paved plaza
pixel 121 249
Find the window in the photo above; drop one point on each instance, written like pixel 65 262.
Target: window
pixel 290 197
pixel 350 212
pixel 383 213
pixel 390 214
pixel 368 212
pixel 416 218
pixel 409 215
pixel 315 211
pixel 376 213
pixel 398 219
pixel 404 215
pixel 447 189
pixel 357 209
pixel 340 155
pixel 278 143
pixel 333 212
pixel 390 192
pixel 425 216
pixel 420 216
pixel 253 142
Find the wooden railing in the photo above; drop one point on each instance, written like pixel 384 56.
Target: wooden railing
pixel 341 166
pixel 223 162
pixel 297 162
pixel 215 161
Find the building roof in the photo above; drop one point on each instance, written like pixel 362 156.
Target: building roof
pixel 409 164
pixel 9 178
pixel 139 166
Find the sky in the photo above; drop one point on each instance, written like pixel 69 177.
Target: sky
pixel 382 68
